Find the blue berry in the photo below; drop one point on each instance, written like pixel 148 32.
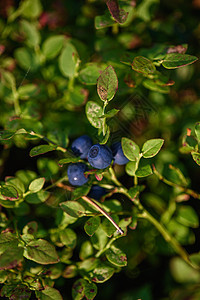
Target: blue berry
pixel 100 156
pixel 97 192
pixel 75 174
pixel 81 146
pixel 119 157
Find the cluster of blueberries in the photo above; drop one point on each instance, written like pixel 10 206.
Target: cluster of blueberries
pixel 98 156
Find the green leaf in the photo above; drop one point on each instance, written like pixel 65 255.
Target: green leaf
pixel 196 157
pixel 68 160
pixel 103 21
pixel 143 170
pixel 152 147
pixel 68 238
pixel 112 205
pixel 135 190
pixel 187 216
pixel 107 84
pixel 31 33
pixel 26 59
pixel 86 250
pixel 197 131
pixel 68 61
pixel 111 113
pixel 92 225
pixel 153 86
pixel 36 185
pixel 9 192
pixel 90 73
pixel 108 227
pixel 41 149
pixel 80 191
pixel 8 79
pixel 6 135
pixel 131 168
pixel 90 290
pixel 143 65
pixel 177 60
pixel 52 46
pixel 70 271
pixel 182 272
pixel 30 228
pixel 102 273
pixel 99 238
pixel 78 96
pixel 48 293
pixel 116 256
pixel 11 258
pixel 36 198
pixel 16 183
pixel 195 259
pixel 130 149
pixel 27 91
pixel 16 291
pixel 94 112
pixel 31 9
pixel 73 208
pixel 7 240
pixel 41 252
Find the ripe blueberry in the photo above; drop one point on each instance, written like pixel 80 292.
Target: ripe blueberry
pixel 97 192
pixel 75 174
pixel 81 146
pixel 119 157
pixel 100 156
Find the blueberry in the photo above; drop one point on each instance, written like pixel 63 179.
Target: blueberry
pixel 75 174
pixel 119 157
pixel 100 156
pixel 97 192
pixel 81 146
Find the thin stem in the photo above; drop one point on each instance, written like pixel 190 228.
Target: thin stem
pixel 184 189
pixel 113 177
pixel 166 235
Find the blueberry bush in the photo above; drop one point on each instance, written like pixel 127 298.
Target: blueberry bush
pixel 100 156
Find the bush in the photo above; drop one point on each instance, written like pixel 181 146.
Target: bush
pixel 115 72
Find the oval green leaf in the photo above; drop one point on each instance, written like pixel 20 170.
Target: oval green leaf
pixel 107 84
pixel 130 149
pixel 92 225
pixel 68 61
pixel 94 112
pixel 41 149
pixel 152 147
pixel 36 185
pixel 116 257
pixel 73 208
pixel 52 46
pixel 143 65
pixel 177 60
pixel 68 238
pixel 41 252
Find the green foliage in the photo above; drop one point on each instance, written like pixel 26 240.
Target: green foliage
pixel 116 71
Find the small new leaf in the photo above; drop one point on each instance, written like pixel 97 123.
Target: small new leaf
pixel 36 185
